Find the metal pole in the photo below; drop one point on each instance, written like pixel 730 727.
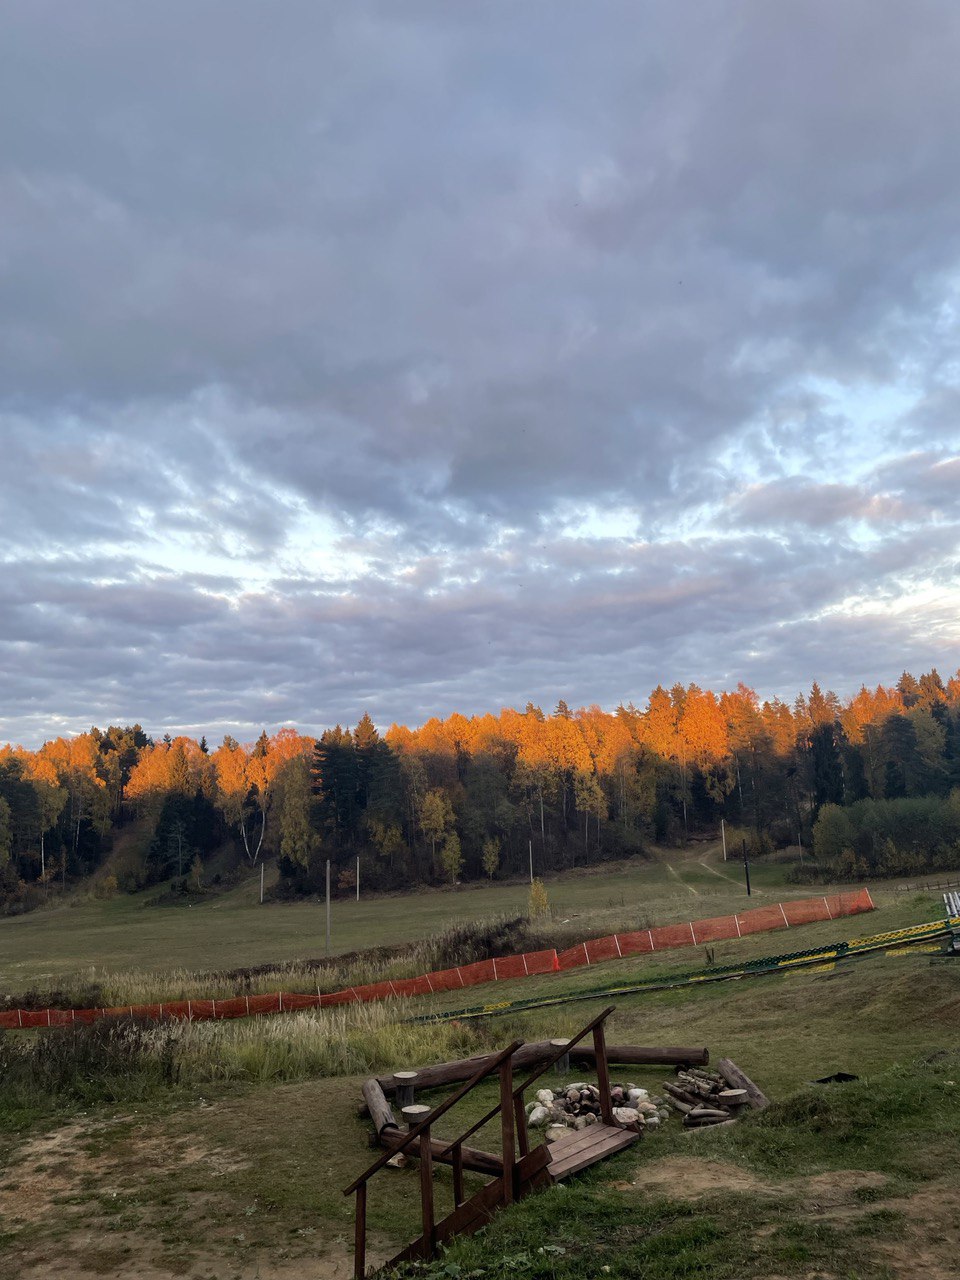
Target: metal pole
pixel 328 906
pixel 358 877
pixel 723 837
pixel 531 862
pixel 746 868
pixel 261 884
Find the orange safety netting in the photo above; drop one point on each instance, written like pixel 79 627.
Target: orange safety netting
pixel 593 951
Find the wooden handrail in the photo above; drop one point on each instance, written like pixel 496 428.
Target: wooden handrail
pixel 601 1017
pixel 518 1092
pixel 490 1064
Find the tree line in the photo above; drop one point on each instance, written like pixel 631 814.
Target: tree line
pixel 469 797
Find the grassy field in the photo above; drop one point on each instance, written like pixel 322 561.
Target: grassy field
pixel 233 930
pixel 233 1178
pixel 217 1151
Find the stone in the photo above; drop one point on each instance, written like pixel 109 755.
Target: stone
pixel 555 1132
pixel 545 1097
pixel 538 1116
pixel 626 1115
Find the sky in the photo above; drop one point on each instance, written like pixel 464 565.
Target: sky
pixel 412 357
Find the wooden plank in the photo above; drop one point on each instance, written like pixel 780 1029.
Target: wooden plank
pixel 530 1166
pixel 580 1139
pixel 484 1203
pixel 597 1135
pixel 578 1160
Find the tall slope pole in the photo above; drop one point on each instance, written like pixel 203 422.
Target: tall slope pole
pixel 328 906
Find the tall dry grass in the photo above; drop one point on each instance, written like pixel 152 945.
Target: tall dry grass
pixel 125 1060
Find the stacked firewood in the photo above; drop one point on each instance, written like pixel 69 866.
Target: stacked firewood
pixel 576 1106
pixel 704 1097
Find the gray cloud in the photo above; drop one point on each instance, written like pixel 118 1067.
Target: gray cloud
pixel 335 340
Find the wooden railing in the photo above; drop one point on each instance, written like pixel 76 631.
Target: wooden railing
pixel 513 1132
pixel 420 1133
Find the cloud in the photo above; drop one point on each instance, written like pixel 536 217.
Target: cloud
pixel 332 338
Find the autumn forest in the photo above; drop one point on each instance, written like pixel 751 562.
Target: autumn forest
pixel 869 786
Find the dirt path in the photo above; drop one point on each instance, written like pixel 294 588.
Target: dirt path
pixel 676 875
pixel 237 1190
pixel 756 893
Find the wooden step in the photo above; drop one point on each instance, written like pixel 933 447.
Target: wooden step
pixel 585 1147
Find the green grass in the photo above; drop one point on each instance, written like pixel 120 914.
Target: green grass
pixel 83 938
pixel 901 1122
pixel 242 1168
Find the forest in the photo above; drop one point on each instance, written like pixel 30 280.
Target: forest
pixel 870 786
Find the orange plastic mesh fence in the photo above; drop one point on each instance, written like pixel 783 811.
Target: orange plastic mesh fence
pixel 762 920
pixel 672 935
pixel 573 957
pixel 599 949
pixel 716 929
pixel 636 944
pixel 594 951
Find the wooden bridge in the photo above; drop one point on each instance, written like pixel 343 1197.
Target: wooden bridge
pixel 518 1170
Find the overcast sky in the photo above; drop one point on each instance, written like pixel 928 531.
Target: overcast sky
pixel 425 356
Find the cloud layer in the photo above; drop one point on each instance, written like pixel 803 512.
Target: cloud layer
pixel 411 358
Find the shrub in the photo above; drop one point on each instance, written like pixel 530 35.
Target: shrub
pixel 539 904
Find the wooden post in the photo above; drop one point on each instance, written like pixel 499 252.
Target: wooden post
pixel 426 1191
pixel 458 1196
pixel 520 1117
pixel 405 1081
pixel 360 1233
pixel 506 1129
pixel 415 1114
pixel 603 1074
pixel 563 1064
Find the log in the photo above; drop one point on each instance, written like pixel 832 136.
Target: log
pixel 680 1106
pixel 703 1128
pixel 405 1082
pixel 640 1056
pixel 529 1055
pixel 732 1097
pixel 737 1079
pixel 476 1161
pixel 378 1106
pixel 674 1090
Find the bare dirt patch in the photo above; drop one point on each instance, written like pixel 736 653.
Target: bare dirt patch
pixel 690 1178
pixel 927 1243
